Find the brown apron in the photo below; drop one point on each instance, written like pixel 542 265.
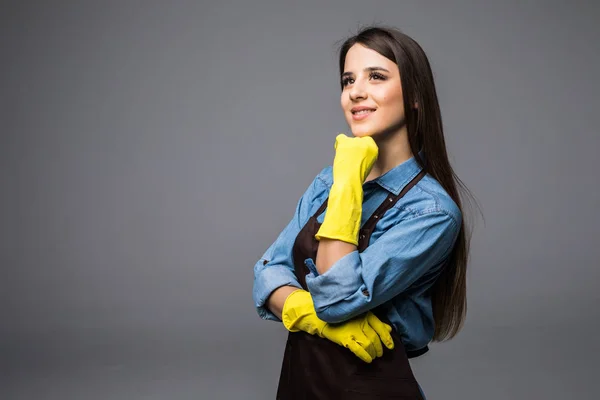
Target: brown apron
pixel 315 368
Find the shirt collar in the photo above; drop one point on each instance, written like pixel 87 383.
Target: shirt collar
pixel 398 177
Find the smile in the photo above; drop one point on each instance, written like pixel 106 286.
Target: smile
pixel 362 114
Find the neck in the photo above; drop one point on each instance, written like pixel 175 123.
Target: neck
pixel 393 150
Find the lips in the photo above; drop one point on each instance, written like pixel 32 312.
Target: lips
pixel 361 110
pixel 360 115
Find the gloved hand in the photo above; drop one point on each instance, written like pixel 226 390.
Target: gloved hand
pixel 354 158
pixel 362 335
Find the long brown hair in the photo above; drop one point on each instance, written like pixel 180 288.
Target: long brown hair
pixel 425 132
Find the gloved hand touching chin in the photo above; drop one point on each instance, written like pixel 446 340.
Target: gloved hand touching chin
pixel 354 158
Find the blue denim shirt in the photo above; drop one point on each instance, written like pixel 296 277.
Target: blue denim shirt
pixel 406 253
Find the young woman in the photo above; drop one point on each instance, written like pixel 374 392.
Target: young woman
pixel 373 265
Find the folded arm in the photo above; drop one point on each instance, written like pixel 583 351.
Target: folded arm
pixel 358 282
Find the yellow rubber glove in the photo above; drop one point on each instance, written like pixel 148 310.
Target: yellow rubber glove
pixel 362 335
pixel 354 158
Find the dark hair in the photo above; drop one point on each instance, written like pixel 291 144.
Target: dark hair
pixel 425 133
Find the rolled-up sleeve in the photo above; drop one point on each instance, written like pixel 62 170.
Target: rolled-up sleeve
pixel 276 267
pixel 358 282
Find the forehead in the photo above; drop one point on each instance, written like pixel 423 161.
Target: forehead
pixel 360 57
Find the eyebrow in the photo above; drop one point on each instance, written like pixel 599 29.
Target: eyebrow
pixel 368 69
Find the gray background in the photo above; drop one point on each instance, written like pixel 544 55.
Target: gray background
pixel 151 151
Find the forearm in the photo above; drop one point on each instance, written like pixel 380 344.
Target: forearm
pixel 330 251
pixel 277 299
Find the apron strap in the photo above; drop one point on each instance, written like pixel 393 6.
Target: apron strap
pixel 322 208
pixel 367 229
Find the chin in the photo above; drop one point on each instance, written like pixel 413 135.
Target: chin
pixel 361 133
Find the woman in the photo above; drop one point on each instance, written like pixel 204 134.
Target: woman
pixel 373 265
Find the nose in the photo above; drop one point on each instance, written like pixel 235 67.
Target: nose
pixel 357 91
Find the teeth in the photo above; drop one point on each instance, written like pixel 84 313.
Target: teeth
pixel 362 112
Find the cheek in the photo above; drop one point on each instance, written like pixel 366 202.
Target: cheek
pixel 391 96
pixel 344 104
pixel 345 98
pixel 394 103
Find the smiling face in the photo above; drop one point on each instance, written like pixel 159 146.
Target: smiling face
pixel 372 93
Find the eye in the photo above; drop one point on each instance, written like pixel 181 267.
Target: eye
pixel 346 81
pixel 373 75
pixel 378 76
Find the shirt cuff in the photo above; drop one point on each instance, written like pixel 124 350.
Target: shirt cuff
pixel 266 281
